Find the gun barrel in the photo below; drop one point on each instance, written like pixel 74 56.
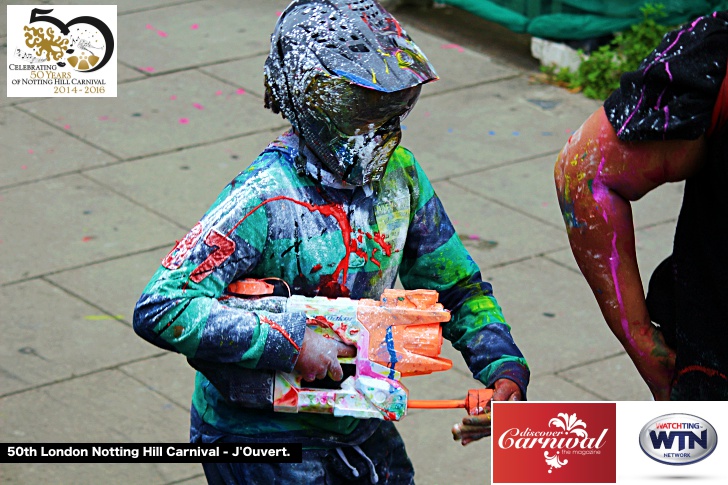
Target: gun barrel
pixel 475 402
pixel 436 403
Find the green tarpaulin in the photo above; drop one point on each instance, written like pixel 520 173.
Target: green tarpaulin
pixel 580 19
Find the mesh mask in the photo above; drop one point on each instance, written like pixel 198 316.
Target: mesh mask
pixel 344 73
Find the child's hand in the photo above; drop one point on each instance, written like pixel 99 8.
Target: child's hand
pixel 318 357
pixel 474 428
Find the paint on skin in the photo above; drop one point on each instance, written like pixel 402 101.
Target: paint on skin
pixel 599 191
pixel 568 209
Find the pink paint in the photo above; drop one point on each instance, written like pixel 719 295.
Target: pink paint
pixel 149 27
pixel 600 192
pixel 198 106
pixel 666 110
pixel 66 127
pixel 218 92
pixel 87 238
pixel 162 33
pixel 629 118
pixel 194 26
pixel 658 58
pixel 23 167
pixel 103 118
pixel 240 91
pixel 184 121
pixel 30 151
pixel 279 13
pixel 173 97
pixel 453 46
pixel 147 69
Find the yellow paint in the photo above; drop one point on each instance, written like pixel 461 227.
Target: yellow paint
pixel 103 317
pixel 567 183
pixel 374 77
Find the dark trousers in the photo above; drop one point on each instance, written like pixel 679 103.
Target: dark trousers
pixel 381 459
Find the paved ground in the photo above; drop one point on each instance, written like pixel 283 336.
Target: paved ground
pixel 94 192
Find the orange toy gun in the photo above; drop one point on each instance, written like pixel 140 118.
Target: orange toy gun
pixel 398 336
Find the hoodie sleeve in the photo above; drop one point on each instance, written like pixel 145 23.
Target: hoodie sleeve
pixel 184 307
pixel 435 258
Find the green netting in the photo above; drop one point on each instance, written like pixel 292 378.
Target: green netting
pixel 580 19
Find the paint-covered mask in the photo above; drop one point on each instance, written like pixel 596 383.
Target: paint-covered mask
pixel 344 73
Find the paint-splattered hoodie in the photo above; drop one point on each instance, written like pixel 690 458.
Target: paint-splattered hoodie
pixel 323 239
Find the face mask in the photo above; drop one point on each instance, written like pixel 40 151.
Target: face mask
pixel 354 130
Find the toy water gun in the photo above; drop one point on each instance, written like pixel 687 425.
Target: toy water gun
pixel 398 336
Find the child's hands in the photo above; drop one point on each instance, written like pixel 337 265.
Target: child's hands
pixel 473 428
pixel 318 357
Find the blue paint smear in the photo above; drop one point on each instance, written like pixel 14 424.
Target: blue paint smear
pixel 392 353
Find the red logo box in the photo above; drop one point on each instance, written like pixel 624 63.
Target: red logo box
pixel 554 442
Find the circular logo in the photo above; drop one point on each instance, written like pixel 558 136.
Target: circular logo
pixel 678 439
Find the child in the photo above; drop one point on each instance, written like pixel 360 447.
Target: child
pixel 333 207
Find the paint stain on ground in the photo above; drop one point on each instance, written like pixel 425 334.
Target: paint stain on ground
pixel 545 104
pixel 160 33
pixel 476 242
pixel 456 47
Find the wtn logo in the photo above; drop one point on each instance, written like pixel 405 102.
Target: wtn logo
pixel 678 439
pixel 665 439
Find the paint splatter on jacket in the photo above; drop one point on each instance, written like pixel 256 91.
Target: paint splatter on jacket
pixel 323 239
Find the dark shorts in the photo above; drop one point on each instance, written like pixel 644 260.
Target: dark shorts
pixel 380 459
pixel 693 323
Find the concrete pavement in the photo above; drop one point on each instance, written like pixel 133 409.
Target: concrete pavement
pixel 94 192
